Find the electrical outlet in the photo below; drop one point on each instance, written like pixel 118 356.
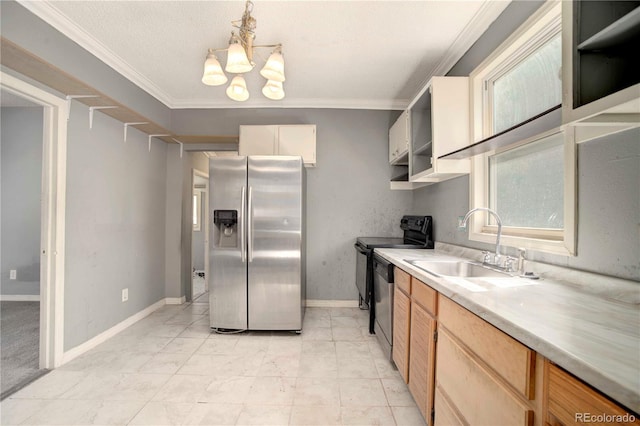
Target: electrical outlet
pixel 461 225
pixel 13 274
pixel 125 294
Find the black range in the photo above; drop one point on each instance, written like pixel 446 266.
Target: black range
pixel 418 234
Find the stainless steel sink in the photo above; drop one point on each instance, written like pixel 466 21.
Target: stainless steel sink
pixel 456 269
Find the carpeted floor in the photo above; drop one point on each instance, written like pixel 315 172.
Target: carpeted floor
pixel 19 345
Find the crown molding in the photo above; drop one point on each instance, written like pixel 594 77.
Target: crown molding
pixel 482 19
pixel 398 104
pixel 60 22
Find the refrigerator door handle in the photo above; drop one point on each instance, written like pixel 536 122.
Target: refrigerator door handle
pixel 250 228
pixel 243 251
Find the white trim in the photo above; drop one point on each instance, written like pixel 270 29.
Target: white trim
pixel 19 297
pixel 60 22
pixel 312 303
pixel 310 103
pixel 53 204
pixel 107 334
pixel 175 300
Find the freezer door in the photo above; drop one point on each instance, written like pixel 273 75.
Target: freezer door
pixel 275 242
pixel 227 243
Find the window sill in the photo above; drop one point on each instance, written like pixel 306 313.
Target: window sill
pixel 536 244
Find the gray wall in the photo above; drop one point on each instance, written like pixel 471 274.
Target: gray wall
pixel 115 225
pixel 608 184
pixel 348 192
pixel 21 153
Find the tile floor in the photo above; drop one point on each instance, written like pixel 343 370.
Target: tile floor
pixel 169 369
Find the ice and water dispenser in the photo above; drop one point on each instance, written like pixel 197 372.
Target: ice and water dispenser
pixel 225 231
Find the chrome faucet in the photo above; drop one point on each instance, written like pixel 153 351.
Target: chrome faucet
pixel 487 258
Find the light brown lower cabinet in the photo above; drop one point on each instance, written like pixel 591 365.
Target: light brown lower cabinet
pixel 445 414
pixel 474 391
pixel 422 359
pixel 475 374
pixel 401 322
pixel 572 402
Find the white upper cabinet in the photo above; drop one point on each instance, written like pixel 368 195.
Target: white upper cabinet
pixel 399 140
pixel 600 78
pixel 257 140
pixel 280 140
pixel 439 126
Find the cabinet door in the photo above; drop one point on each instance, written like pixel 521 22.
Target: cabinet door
pixel 422 358
pixel 257 140
pixel 401 323
pixel 298 140
pixel 475 393
pixel 399 138
pixel 449 114
pixel 570 401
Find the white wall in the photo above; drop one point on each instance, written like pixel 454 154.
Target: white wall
pixel 115 231
pixel 21 153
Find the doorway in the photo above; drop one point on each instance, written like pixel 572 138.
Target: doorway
pixel 21 147
pixel 33 259
pixel 200 238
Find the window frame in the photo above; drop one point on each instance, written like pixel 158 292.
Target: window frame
pixel 541 27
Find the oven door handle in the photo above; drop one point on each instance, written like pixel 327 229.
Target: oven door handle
pixel 360 249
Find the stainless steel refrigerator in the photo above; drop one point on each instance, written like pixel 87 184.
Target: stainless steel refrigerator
pixel 257 244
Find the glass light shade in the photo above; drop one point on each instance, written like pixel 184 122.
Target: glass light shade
pixel 237 61
pixel 274 68
pixel 237 90
pixel 273 90
pixel 213 75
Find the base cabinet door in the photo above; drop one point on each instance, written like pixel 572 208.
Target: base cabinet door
pixel 421 359
pixel 445 414
pixel 570 402
pixel 401 323
pixel 476 394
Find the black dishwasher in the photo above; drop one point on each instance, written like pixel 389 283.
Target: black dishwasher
pixel 383 308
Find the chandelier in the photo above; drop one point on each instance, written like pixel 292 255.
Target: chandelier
pixel 240 61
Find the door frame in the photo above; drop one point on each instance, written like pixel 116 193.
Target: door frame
pixel 52 217
pixel 205 222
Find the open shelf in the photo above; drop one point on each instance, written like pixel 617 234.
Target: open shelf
pixel 604 38
pixel 403 160
pixel 619 32
pixel 424 149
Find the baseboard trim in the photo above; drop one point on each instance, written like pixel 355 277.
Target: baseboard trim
pixel 107 334
pixel 19 297
pixel 175 300
pixel 311 303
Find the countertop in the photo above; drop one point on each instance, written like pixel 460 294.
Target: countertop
pixel 594 337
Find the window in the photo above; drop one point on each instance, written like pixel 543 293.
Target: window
pixel 526 184
pixel 527 89
pixel 531 184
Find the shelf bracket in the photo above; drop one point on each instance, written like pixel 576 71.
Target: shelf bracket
pixel 93 108
pixel 132 124
pixel 181 145
pixel 71 97
pixel 154 136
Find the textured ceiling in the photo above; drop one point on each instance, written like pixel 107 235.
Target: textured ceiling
pixel 341 54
